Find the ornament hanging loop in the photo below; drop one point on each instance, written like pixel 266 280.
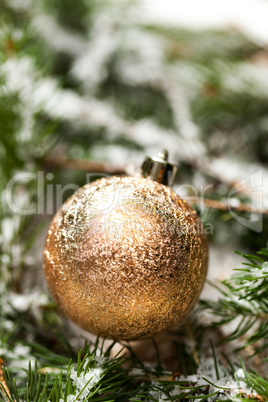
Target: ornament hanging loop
pixel 159 169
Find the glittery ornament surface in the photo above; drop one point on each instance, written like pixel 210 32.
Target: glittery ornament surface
pixel 125 257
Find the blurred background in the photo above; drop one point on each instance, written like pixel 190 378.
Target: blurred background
pixel 114 81
pixel 89 86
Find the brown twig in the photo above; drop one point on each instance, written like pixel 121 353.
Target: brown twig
pixel 3 385
pixel 85 165
pixel 215 204
pixel 103 167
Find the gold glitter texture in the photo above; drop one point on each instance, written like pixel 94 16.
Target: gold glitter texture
pixel 125 257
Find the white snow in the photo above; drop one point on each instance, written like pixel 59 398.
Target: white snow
pixel 63 40
pixel 91 66
pixel 86 380
pixel 250 16
pixel 206 370
pixel 23 302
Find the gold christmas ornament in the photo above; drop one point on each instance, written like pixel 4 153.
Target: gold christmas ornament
pixel 125 257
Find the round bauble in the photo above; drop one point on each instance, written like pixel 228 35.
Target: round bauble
pixel 125 257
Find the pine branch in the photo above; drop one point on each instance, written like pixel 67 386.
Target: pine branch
pixel 99 377
pixel 244 295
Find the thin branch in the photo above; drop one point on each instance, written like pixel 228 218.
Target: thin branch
pixel 84 165
pixel 215 204
pixel 103 167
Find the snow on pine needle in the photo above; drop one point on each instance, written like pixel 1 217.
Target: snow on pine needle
pixel 211 382
pixel 84 381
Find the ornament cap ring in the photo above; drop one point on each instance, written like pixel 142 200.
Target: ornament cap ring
pixel 159 169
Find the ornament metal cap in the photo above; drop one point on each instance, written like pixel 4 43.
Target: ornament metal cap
pixel 159 169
